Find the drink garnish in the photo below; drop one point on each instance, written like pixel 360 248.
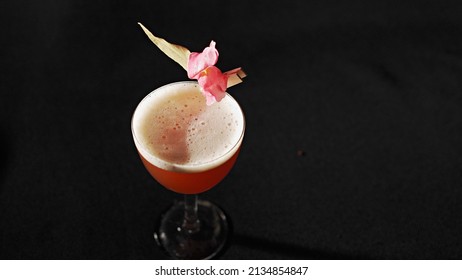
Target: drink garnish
pixel 201 66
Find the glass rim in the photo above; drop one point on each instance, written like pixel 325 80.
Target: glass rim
pixel 190 167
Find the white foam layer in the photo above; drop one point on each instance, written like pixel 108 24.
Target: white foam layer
pixel 175 130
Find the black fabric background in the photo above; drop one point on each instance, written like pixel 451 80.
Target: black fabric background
pixel 369 91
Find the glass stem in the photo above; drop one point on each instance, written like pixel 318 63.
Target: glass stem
pixel 191 223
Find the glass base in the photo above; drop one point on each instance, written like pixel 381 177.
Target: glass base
pixel 205 242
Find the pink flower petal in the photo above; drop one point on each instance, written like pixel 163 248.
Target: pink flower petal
pixel 213 84
pixel 198 62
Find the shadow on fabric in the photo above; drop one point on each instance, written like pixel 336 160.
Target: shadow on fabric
pixel 290 251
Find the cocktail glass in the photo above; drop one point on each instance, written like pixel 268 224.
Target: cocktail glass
pixel 189 147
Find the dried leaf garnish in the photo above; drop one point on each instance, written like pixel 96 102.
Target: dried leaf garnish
pixel 178 53
pixel 235 76
pixel 200 66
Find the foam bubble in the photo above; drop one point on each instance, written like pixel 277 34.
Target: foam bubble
pixel 191 136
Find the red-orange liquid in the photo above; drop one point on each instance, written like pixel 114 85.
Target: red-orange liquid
pixel 187 146
pixel 190 183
